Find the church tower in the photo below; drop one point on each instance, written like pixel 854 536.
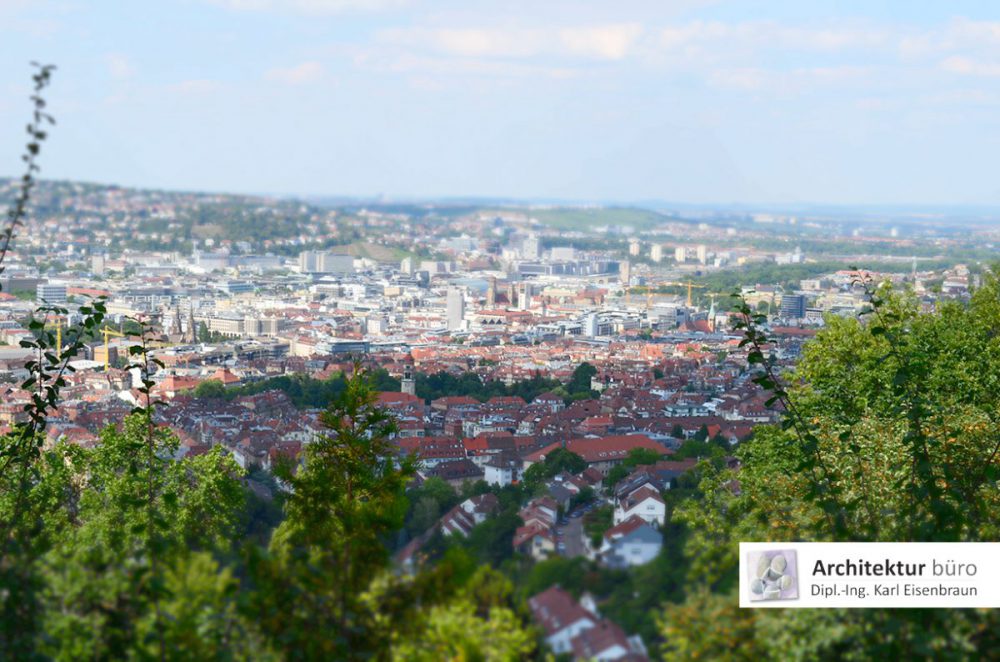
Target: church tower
pixel 408 384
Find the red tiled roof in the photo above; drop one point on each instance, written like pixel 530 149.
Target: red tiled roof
pixel 601 449
pixel 555 609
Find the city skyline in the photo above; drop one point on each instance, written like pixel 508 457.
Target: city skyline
pixel 695 102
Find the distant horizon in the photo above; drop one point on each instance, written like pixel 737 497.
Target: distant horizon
pixel 659 206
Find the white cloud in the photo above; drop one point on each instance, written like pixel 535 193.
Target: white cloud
pixel 120 66
pixel 308 7
pixel 968 66
pixel 599 42
pixel 300 74
pixel 424 65
pixel 194 87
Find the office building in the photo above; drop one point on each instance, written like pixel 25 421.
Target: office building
pixel 793 306
pixel 455 308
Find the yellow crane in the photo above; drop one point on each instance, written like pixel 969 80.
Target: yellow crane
pixel 689 285
pixel 107 333
pixel 58 325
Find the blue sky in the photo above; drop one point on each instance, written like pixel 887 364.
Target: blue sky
pixel 690 100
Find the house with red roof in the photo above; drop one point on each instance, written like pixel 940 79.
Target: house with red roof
pixel 644 501
pixel 600 453
pixel 632 542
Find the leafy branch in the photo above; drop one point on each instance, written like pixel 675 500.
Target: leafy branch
pixel 823 487
pixel 35 129
pixel 145 364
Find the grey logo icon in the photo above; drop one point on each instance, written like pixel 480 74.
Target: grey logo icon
pixel 773 575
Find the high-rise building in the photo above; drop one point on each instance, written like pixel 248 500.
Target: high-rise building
pixel 625 272
pixel 323 262
pixel 634 247
pixel 455 308
pixel 406 266
pixel 680 254
pixel 491 292
pixel 702 253
pixel 656 253
pixel 532 248
pixel 50 293
pixel 524 296
pixel 793 306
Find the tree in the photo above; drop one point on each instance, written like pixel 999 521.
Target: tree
pixel 210 389
pixel 480 623
pixel 580 381
pixel 346 496
pixel 137 520
pixel 890 434
pixel 556 462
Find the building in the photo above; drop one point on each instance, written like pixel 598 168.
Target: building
pixel 408 384
pixel 561 618
pixel 491 292
pixel 702 252
pixel 323 262
pixel 455 308
pixel 563 254
pixel 531 249
pixel 625 272
pixel 680 254
pixel 406 266
pixel 656 253
pixel 793 306
pixel 575 630
pixel 634 247
pixel 633 542
pixel 51 293
pixel 644 502
pixel 232 287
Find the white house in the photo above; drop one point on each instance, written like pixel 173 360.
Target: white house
pixel 644 502
pixel 633 542
pixel 561 618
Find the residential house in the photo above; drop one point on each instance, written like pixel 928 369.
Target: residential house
pixel 633 542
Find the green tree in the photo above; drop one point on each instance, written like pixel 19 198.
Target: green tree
pixel 580 381
pixel 556 462
pixel 890 434
pixel 346 496
pixel 137 518
pixel 480 623
pixel 210 389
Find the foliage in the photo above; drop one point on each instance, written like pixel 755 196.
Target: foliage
pixel 345 497
pixel 305 391
pixel 889 434
pixel 480 623
pixel 139 514
pixel 636 457
pixel 596 522
pixel 556 462
pixel 427 504
pixel 580 381
pixel 444 384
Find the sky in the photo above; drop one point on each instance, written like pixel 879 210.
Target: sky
pixel 694 101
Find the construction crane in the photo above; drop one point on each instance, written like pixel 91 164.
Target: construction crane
pixel 58 325
pixel 107 333
pixel 689 285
